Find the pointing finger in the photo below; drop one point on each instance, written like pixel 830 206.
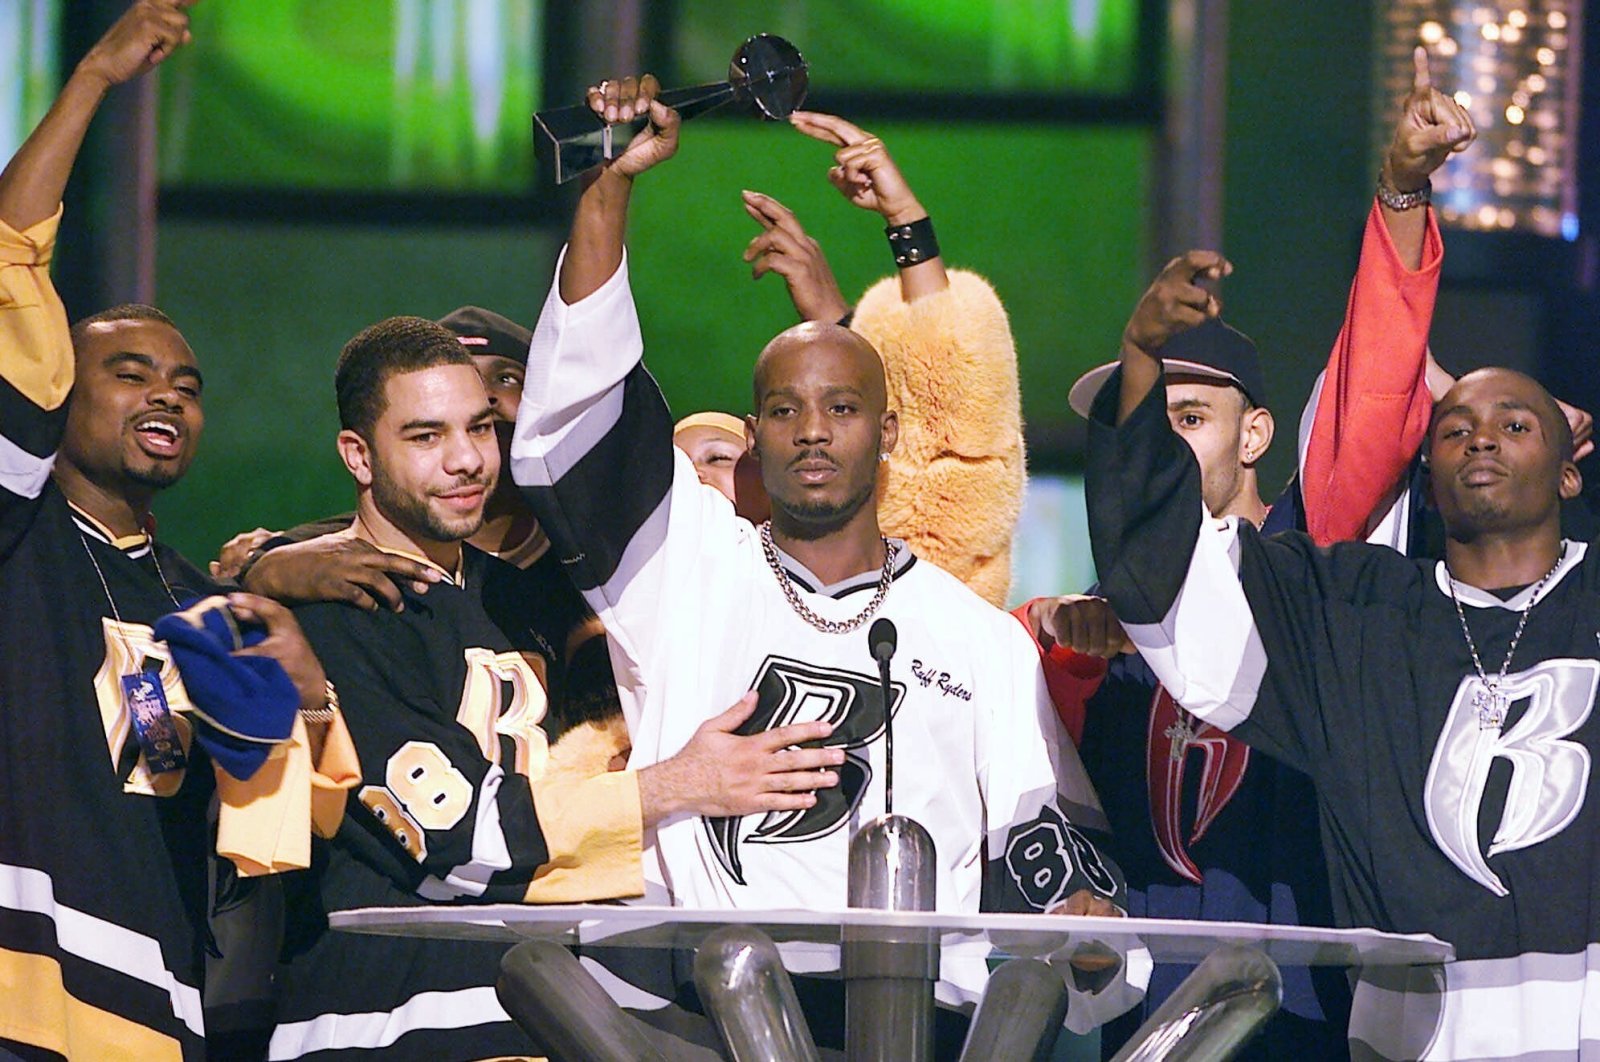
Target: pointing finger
pixel 828 127
pixel 756 215
pixel 782 217
pixel 1420 81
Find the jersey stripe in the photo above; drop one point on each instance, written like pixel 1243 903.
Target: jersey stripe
pixel 375 1030
pixel 34 429
pixel 98 941
pixel 611 490
pixel 22 473
pixel 41 1012
pixel 1528 1007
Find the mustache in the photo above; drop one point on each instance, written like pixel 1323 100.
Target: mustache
pixel 816 454
pixel 461 482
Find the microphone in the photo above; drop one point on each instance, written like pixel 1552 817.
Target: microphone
pixel 881 639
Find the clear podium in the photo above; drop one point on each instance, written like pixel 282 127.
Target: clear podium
pixel 1231 990
pixel 1003 935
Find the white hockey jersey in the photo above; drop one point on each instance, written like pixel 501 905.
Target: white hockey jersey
pixel 697 617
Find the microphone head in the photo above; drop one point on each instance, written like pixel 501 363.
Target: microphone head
pixel 881 637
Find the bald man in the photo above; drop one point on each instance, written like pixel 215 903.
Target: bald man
pixel 702 606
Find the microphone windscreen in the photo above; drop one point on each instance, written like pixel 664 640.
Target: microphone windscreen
pixel 881 637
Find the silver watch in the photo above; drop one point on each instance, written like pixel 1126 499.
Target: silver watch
pixel 1395 199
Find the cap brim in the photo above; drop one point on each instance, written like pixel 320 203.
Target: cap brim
pixel 726 423
pixel 1087 387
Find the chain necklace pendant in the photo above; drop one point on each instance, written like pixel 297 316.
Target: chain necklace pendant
pixel 1180 733
pixel 1491 706
pixel 1488 701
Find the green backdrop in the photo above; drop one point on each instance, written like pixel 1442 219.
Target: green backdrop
pixel 1053 216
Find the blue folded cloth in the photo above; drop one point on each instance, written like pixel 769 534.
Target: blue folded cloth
pixel 243 705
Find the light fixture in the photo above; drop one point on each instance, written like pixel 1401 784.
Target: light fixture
pixel 1513 65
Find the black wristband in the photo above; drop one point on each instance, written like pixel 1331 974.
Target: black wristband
pixel 912 244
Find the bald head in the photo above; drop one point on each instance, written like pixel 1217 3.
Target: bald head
pixel 821 426
pixel 1514 386
pixel 845 357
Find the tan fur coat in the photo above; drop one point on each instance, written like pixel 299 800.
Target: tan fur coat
pixel 953 486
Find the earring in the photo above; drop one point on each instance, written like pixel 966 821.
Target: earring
pixel 883 458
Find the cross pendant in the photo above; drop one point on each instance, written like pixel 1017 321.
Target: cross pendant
pixel 1179 733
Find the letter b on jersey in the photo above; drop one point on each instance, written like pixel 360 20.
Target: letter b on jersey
pixel 1549 775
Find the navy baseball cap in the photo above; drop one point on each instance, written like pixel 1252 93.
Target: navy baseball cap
pixel 486 332
pixel 1213 349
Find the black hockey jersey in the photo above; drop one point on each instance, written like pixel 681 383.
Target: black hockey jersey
pixel 539 598
pixel 462 799
pixel 102 862
pixel 1350 665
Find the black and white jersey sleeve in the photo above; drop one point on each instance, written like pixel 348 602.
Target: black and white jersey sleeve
pixel 628 518
pixel 36 371
pixel 1046 837
pixel 1246 632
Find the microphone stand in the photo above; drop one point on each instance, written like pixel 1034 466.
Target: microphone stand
pixel 889 974
pixel 888 736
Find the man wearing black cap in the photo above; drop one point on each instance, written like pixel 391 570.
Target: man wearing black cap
pixel 1261 861
pixel 1206 829
pixel 1214 396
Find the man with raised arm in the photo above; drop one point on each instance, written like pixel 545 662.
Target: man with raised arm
pixel 1444 711
pixel 701 605
pixel 1205 829
pixel 106 771
pixel 953 485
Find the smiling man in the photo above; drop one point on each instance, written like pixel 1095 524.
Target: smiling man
pixel 702 606
pixel 105 842
pixel 459 801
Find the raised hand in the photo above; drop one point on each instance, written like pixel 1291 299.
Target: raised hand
pixel 1432 127
pixel 630 98
pixel 145 35
pixel 1176 301
pixel 721 773
pixel 1084 624
pixel 1582 425
pixel 784 248
pixel 863 171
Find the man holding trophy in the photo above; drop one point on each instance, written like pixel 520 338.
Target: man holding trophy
pixel 701 606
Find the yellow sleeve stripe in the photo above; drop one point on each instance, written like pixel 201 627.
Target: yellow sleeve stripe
pixel 594 832
pixel 35 344
pixel 264 825
pixel 35 1009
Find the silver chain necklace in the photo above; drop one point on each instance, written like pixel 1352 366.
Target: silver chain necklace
pixel 1491 704
pixel 828 626
pixel 107 586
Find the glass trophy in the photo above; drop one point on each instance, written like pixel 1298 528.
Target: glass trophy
pixel 767 74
